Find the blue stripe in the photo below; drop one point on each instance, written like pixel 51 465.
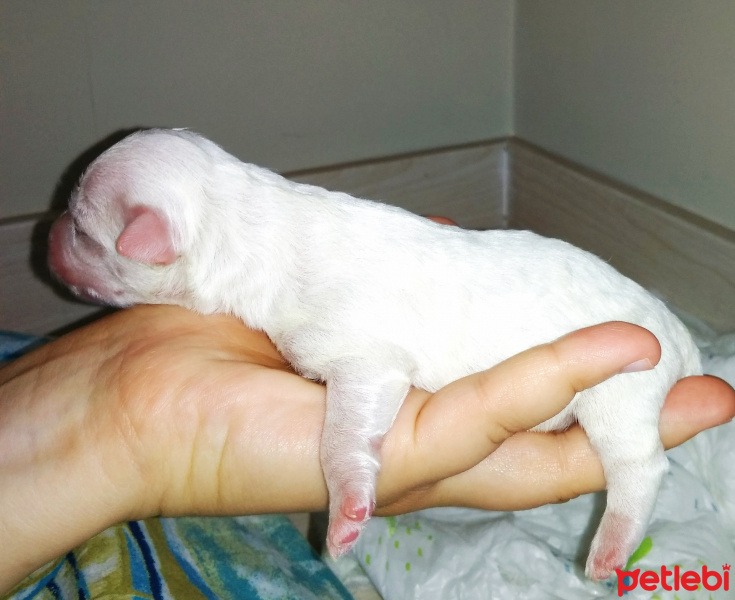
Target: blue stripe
pixel 53 589
pixel 82 589
pixel 43 583
pixel 154 579
pixel 179 552
pixel 231 575
pixel 137 566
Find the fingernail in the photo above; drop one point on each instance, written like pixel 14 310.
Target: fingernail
pixel 643 364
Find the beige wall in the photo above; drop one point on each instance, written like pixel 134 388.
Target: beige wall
pixel 641 91
pixel 288 84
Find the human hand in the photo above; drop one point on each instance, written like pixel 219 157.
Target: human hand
pixel 156 410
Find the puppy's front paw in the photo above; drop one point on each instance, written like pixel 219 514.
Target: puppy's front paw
pixel 361 406
pixel 346 520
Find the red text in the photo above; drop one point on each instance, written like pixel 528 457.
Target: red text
pixel 674 579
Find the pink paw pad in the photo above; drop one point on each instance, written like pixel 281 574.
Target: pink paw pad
pixel 615 539
pixel 605 567
pixel 355 510
pixel 350 537
pixel 342 535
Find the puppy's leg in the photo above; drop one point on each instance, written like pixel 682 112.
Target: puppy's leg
pixel 627 441
pixel 362 401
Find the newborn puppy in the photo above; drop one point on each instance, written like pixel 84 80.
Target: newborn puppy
pixel 369 299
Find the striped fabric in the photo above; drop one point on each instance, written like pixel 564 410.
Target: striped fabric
pixel 192 558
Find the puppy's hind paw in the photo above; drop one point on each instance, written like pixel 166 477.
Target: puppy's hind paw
pixel 600 567
pixel 612 546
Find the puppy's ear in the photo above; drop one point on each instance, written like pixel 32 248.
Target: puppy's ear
pixel 146 239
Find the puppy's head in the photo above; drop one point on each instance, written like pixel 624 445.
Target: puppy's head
pixel 132 220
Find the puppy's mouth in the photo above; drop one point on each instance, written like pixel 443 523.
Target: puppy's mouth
pixel 87 294
pixel 91 295
pixel 82 292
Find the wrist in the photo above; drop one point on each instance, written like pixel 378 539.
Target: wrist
pixel 61 474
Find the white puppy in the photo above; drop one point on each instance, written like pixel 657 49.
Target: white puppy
pixel 369 299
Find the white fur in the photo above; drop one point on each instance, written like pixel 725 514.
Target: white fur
pixel 372 299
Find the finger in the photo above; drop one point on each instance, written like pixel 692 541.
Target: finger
pixel 532 469
pixel 693 405
pixel 468 419
pixel 442 220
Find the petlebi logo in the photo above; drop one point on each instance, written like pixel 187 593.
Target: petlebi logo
pixel 674 579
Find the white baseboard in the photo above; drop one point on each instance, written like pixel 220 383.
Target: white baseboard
pixel 689 261
pixel 464 183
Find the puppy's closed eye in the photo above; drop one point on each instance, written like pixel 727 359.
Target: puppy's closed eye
pixel 81 236
pixel 78 231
